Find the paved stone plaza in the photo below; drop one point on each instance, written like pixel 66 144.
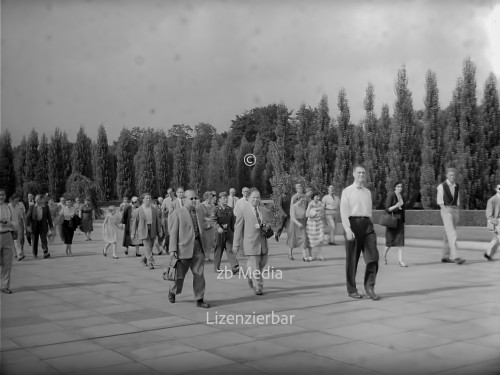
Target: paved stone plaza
pixel 88 314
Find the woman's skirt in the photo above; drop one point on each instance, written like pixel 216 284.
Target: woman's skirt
pixel 87 223
pixel 315 231
pixel 297 237
pixel 68 231
pixel 395 237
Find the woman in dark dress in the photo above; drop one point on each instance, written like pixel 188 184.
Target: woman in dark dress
pixel 68 213
pixel 395 237
pixel 126 225
pixel 87 215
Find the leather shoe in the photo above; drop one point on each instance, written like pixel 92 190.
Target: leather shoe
pixel 6 291
pixel 46 255
pixel 446 260
pixel 355 295
pixel 371 293
pixel 485 255
pixel 201 303
pixel 22 257
pixel 258 292
pixel 171 297
pixel 459 261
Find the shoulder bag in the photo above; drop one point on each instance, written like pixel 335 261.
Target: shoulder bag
pixel 388 220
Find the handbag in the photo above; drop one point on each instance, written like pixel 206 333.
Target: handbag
pixel 267 232
pixel 389 220
pixel 170 272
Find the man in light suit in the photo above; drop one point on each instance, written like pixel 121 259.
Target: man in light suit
pixel 179 202
pixel 147 229
pixel 185 230
pixel 493 218
pixel 251 220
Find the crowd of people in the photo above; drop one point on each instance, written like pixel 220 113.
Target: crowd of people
pixel 198 231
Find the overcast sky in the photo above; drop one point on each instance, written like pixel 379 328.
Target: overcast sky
pixel 158 63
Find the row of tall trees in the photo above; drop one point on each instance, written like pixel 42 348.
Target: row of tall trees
pixel 309 146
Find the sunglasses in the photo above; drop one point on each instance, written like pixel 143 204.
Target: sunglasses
pixel 194 198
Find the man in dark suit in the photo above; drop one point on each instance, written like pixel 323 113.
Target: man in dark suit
pixel 186 244
pixel 225 220
pixel 39 224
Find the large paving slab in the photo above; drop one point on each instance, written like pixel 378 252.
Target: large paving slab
pixel 89 314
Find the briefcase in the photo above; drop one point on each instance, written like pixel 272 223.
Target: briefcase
pixel 170 272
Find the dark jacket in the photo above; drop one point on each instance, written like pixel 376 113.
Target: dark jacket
pixel 391 200
pixel 33 221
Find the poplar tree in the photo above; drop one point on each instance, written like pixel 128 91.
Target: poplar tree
pixel 125 176
pixel 163 165
pixel 490 118
pixel 471 145
pixel 178 174
pixel 404 147
pixel 82 154
pixel 145 165
pixel 196 164
pixel 304 123
pixel 31 157
pixel 59 163
pixel 228 158
pixel 243 171
pixel 430 168
pixel 345 156
pixel 103 167
pixel 257 174
pixel 319 165
pixel 7 174
pixel 370 143
pixel 20 164
pixel 214 171
pixel 42 168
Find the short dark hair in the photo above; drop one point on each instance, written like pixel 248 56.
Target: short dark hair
pixel 397 183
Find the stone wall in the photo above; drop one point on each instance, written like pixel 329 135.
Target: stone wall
pixel 468 218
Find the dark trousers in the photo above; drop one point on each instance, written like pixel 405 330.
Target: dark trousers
pixel 365 240
pixel 224 244
pixel 43 237
pixel 196 264
pixel 284 222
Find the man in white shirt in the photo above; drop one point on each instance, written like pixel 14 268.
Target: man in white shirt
pixel 241 202
pixel 179 202
pixel 448 199
pixel 493 219
pixel 356 213
pixel 232 199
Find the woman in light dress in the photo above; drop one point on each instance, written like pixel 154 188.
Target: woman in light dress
pixel 315 227
pixel 297 237
pixel 110 229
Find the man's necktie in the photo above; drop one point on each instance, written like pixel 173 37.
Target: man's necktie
pixel 257 214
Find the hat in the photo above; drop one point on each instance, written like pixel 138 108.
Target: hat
pixel 134 199
pixel 222 194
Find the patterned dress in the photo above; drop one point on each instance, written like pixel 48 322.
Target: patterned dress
pixel 315 226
